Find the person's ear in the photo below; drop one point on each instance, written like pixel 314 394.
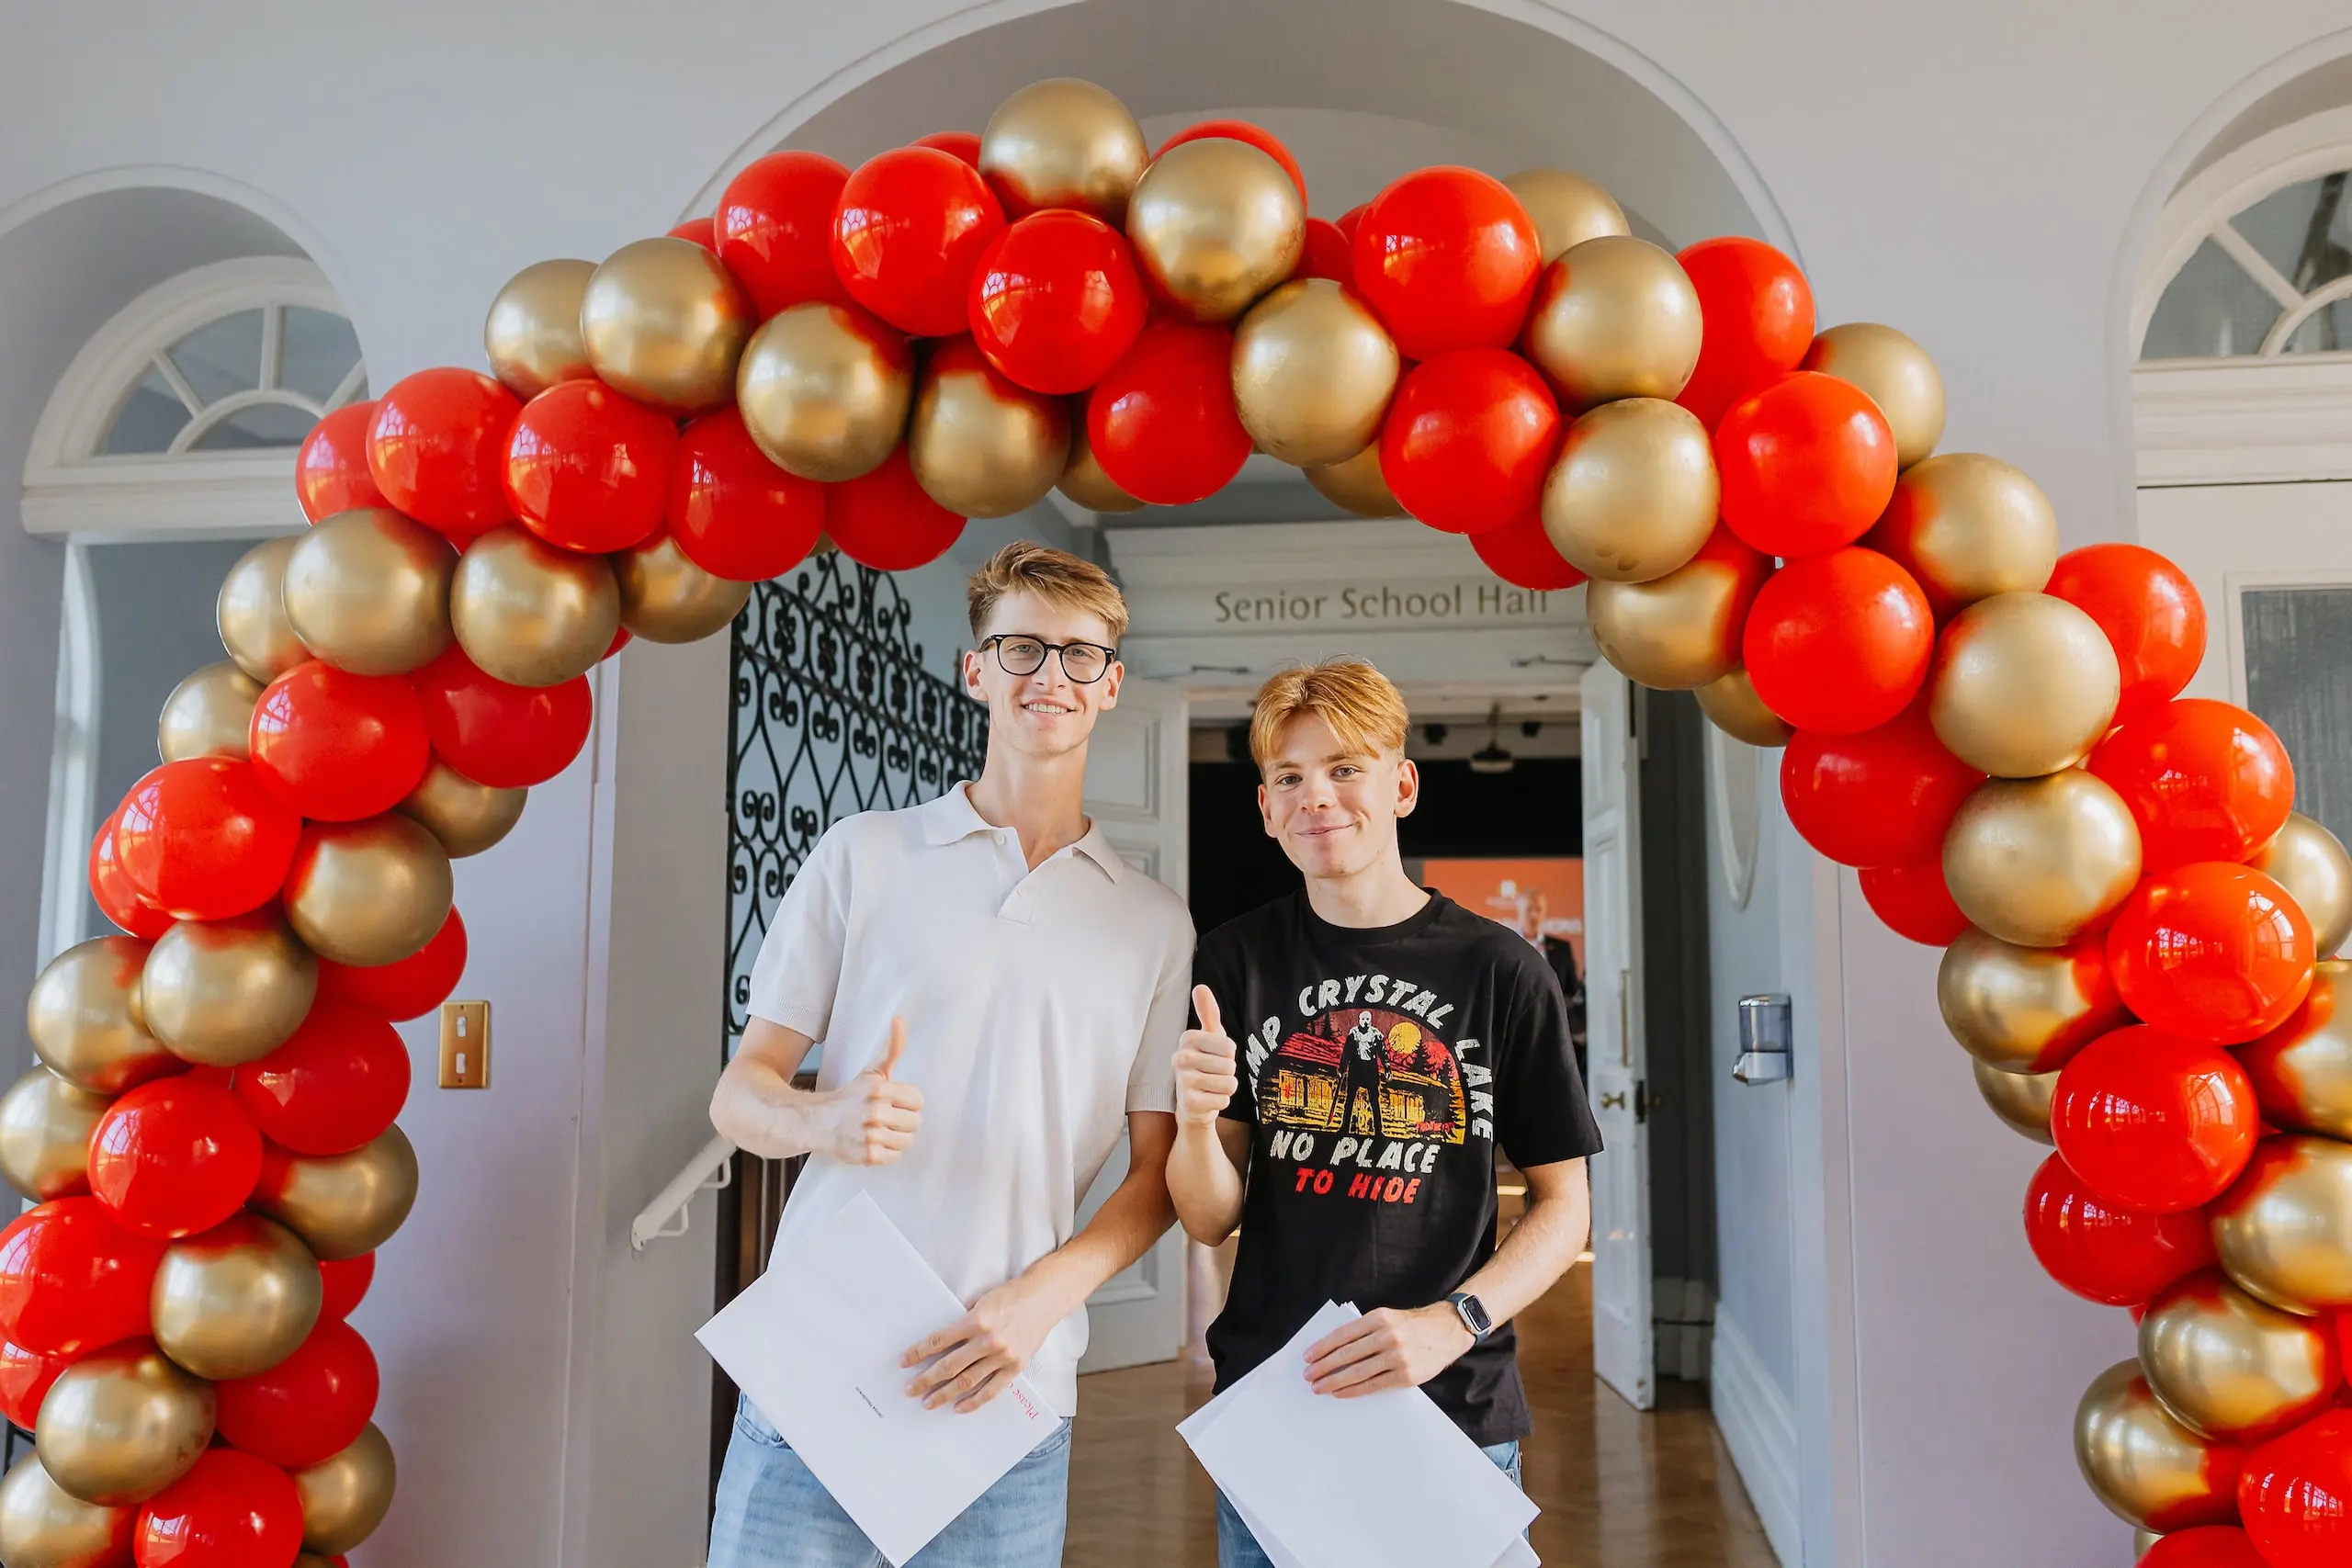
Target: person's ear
pixel 1112 678
pixel 972 687
pixel 1408 787
pixel 1265 813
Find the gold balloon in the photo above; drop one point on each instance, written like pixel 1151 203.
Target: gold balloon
pixel 1731 703
pixel 369 590
pixel 2230 1368
pixel 2025 1009
pixel 2302 1070
pixel 44 1525
pixel 1084 481
pixel 979 446
pixel 223 992
pixel 118 1426
pixel 83 1021
pixel 2284 1231
pixel 1633 494
pixel 2020 1100
pixel 824 391
pixel 467 817
pixel 1216 223
pixel 2310 862
pixel 1567 208
pixel 2035 862
pixel 1357 484
pixel 1064 142
pixel 209 715
pixel 667 598
pixel 530 614
pixel 2144 1543
pixel 2023 684
pixel 2146 1467
pixel 1313 371
pixel 664 323
pixel 368 893
pixel 1968 526
pixel 252 613
pixel 533 332
pixel 1678 631
pixel 1896 375
pixel 236 1300
pixel 45 1127
pixel 1614 317
pixel 342 1205
pixel 345 1498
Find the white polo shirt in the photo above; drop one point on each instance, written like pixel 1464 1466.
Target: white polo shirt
pixel 1041 1006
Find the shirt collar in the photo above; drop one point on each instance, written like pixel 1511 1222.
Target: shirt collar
pixel 952 817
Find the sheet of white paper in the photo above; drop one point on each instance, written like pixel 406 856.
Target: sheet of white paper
pixel 816 1341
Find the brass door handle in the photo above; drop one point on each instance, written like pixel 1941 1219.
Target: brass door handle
pixel 1612 1102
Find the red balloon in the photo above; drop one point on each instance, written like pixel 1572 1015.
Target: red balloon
pixel 1327 254
pixel 884 519
pixel 587 469
pixel 702 231
pixel 337 1081
pixel 1468 440
pixel 964 144
pixel 1913 901
pixel 1756 312
pixel 409 989
pixel 1447 259
pixel 338 747
pixel 1522 555
pixel 111 888
pixel 309 1407
pixel 774 224
pixel 344 1282
pixel 2295 1495
pixel 506 737
pixel 25 1377
pixel 331 470
pixel 206 838
pixel 734 512
pixel 2150 1121
pixel 1055 300
pixel 173 1157
pixel 1838 643
pixel 1347 223
pixel 1242 131
pixel 2211 950
pixel 437 449
pixel 911 227
pixel 2114 1256
pixel 1807 465
pixel 1880 797
pixel 2207 1546
pixel 71 1280
pixel 1162 422
pixel 2205 780
pixel 231 1510
pixel 2148 609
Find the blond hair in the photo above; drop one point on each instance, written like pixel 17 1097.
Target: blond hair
pixel 1059 578
pixel 1362 706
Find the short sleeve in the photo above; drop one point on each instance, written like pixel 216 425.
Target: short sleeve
pixel 798 970
pixel 1217 966
pixel 1151 1081
pixel 1541 1113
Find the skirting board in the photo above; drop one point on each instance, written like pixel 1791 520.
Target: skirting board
pixel 1761 1431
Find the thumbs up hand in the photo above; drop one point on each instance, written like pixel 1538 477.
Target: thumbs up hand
pixel 1207 1073
pixel 875 1117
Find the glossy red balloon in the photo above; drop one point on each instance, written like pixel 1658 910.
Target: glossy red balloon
pixel 231 1510
pixel 1882 797
pixel 206 838
pixel 344 1283
pixel 437 449
pixel 2211 950
pixel 1264 141
pixel 338 1081
pixel 173 1157
pixel 911 229
pixel 1521 554
pixel 1913 901
pixel 506 737
pixel 2148 609
pixel 331 470
pixel 111 890
pixel 25 1377
pixel 1838 643
pixel 734 512
pixel 1469 438
pixel 1348 221
pixel 338 747
pixel 884 519
pixel 1162 421
pixel 71 1280
pixel 2207 1546
pixel 1447 259
pixel 409 989
pixel 1327 252
pixel 2205 780
pixel 2114 1256
pixel 2295 1495
pixel 702 231
pixel 309 1407
pixel 775 223
pixel 1755 310
pixel 2150 1121
pixel 1055 300
pixel 964 144
pixel 587 469
pixel 1807 464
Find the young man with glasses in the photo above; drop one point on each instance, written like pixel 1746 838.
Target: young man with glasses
pixel 1393 1040
pixel 997 994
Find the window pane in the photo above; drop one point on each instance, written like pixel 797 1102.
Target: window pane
pixel 2212 308
pixel 318 351
pixel 150 416
pixel 2303 231
pixel 263 425
pixel 222 357
pixel 2329 331
pixel 2297 645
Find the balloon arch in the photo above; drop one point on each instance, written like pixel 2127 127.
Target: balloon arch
pixel 2130 912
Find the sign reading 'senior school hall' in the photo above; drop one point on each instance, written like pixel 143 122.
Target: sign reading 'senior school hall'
pixel 1406 604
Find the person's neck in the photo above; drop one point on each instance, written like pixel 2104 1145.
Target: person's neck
pixel 1379 895
pixel 1041 798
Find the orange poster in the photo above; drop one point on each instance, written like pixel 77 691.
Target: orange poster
pixel 1535 897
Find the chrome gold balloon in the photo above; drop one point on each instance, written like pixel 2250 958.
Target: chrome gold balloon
pixel 251 611
pixel 209 715
pixel 824 391
pixel 2302 1070
pixel 1968 526
pixel 1896 375
pixel 2230 1369
pixel 2020 1100
pixel 1730 702
pixel 533 333
pixel 2035 862
pixel 1084 481
pixel 1215 224
pixel 342 1205
pixel 2143 1541
pixel 467 817
pixel 1632 493
pixel 223 992
pixel 1677 631
pixel 1567 208
pixel 1064 142
pixel 981 446
pixel 2146 1467
pixel 84 1020
pixel 2284 1230
pixel 1615 317
pixel 45 1127
pixel 1313 371
pixel 236 1300
pixel 2025 1009
pixel 345 1498
pixel 664 322
pixel 44 1525
pixel 368 591
pixel 530 614
pixel 2310 862
pixel 667 598
pixel 1357 484
pixel 2022 684
pixel 120 1425
pixel 368 893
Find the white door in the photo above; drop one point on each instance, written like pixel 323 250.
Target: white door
pixel 1623 1350
pixel 1135 788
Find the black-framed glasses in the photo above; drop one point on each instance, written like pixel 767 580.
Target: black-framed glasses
pixel 1020 654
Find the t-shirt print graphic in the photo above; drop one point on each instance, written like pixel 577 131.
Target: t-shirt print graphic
pixel 1367 1072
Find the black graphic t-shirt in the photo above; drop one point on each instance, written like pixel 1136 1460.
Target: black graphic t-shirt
pixel 1379 1069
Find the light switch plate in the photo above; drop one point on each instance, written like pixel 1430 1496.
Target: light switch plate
pixel 465 1044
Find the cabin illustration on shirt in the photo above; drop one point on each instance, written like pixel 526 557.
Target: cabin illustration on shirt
pixel 1364 1072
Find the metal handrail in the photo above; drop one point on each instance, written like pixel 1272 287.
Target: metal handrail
pixel 712 1169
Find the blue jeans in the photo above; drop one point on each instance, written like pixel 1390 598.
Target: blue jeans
pixel 1237 1548
pixel 772 1513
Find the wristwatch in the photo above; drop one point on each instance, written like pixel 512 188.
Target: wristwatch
pixel 1473 1314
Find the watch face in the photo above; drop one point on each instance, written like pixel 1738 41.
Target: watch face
pixel 1473 1316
